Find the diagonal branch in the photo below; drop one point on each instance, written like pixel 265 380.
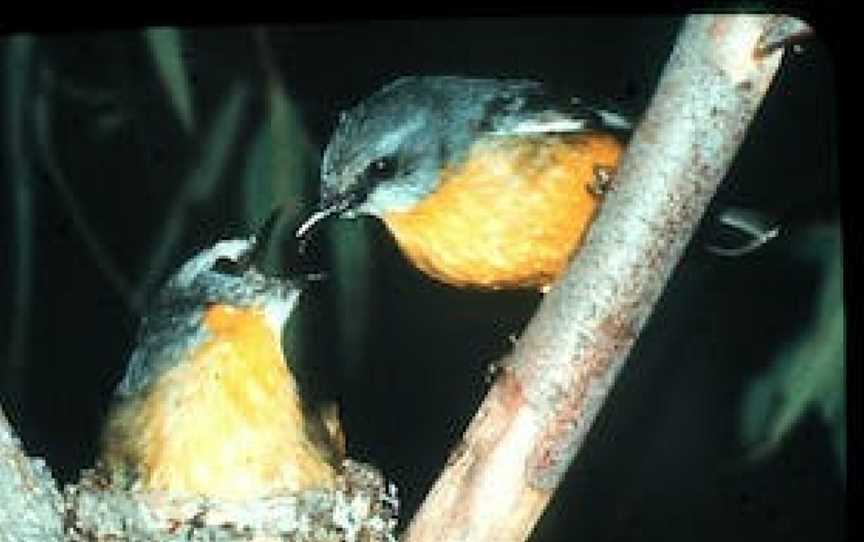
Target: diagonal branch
pixel 536 416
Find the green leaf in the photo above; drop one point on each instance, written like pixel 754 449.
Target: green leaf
pixel 809 375
pixel 201 182
pixel 352 273
pixel 291 147
pixel 278 170
pixel 217 148
pixel 20 61
pixel 167 52
pixel 258 196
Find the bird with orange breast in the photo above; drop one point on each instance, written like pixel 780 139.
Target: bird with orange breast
pixel 208 405
pixel 483 183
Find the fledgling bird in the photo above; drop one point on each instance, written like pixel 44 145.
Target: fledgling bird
pixel 208 405
pixel 483 183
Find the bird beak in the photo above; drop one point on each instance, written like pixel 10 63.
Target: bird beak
pixel 314 219
pixel 327 208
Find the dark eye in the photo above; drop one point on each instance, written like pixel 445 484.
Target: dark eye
pixel 227 266
pixel 382 168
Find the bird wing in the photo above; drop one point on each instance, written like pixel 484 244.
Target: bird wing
pixel 521 107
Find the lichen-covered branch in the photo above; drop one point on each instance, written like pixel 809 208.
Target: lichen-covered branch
pixel 31 509
pixel 536 416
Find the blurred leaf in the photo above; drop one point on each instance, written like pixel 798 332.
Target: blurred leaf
pixel 18 169
pixel 809 374
pixel 201 183
pixel 258 197
pixel 291 148
pixel 106 107
pixel 43 135
pixel 167 51
pixel 217 148
pixel 350 248
pixel 280 161
pixel 110 122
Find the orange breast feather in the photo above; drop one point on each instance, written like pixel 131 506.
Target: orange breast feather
pixel 511 215
pixel 226 423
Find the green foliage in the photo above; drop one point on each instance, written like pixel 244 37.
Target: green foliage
pixel 279 165
pixel 353 276
pixel 219 145
pixel 808 375
pixel 277 161
pixel 167 51
pixel 201 182
pixel 18 170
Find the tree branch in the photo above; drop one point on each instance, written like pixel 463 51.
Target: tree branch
pixel 31 509
pixel 536 416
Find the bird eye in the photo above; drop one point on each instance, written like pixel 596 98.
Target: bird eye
pixel 227 266
pixel 382 168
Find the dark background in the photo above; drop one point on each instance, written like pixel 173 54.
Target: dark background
pixel 665 459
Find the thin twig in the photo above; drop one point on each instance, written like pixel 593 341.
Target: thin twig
pixel 536 416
